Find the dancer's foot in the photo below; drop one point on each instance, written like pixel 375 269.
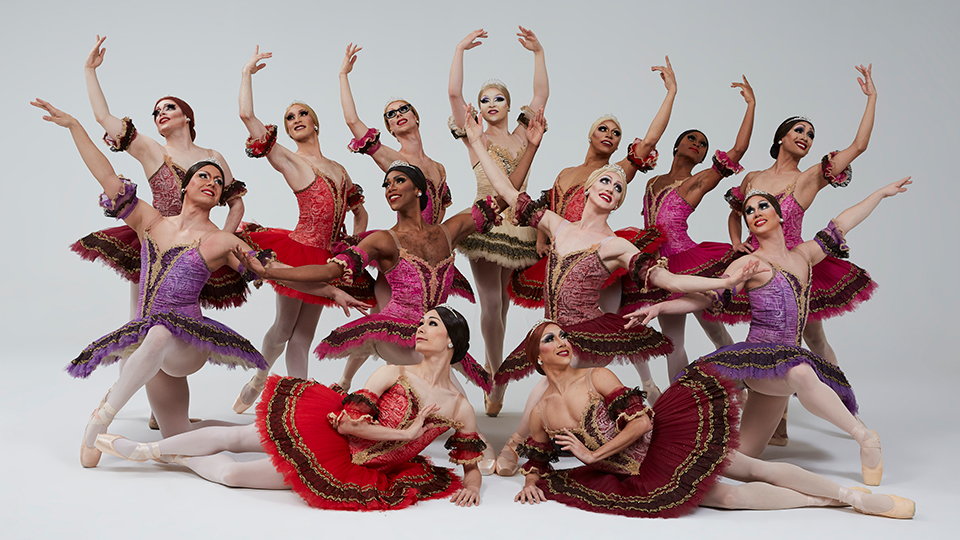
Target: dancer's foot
pixel 871 459
pixel 780 437
pixel 488 461
pixel 508 461
pixel 123 448
pixel 250 392
pixel 99 420
pixel 890 506
pixel 653 392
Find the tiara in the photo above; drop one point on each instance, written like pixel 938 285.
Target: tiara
pixel 617 168
pixel 541 321
pixel 450 308
pixel 399 163
pixel 491 83
pixel 210 159
pixel 753 192
pixel 393 99
pixel 802 119
pixel 608 116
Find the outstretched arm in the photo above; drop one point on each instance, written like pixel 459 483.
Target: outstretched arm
pixel 96 162
pixel 350 116
pixel 846 156
pixel 541 83
pixel 660 121
pixel 255 127
pixel 455 85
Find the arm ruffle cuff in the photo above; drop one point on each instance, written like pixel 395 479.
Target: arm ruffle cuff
pixel 724 165
pixel 539 456
pixel 832 242
pixel 265 257
pixel 465 448
pixel 445 198
pixel 127 134
pixel 353 260
pixel 123 203
pixel 354 197
pixel 486 214
pixel 258 148
pixel 735 199
pixel 526 115
pixel 362 403
pixel 641 264
pixel 235 190
pixel 626 404
pixel 527 212
pixel 827 167
pixel 368 144
pixel 642 163
pixel 719 300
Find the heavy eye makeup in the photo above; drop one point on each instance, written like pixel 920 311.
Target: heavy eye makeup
pixel 166 107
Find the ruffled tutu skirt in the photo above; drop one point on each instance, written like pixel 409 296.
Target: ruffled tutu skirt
pixel 526 285
pixel 838 287
pixel 119 248
pixel 695 427
pixel 361 337
pixel 294 253
pixel 315 460
pixel 742 361
pixel 595 342
pixel 223 345
pixel 506 244
pixel 706 259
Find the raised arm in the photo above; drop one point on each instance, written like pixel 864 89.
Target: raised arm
pixel 96 162
pixel 694 188
pixel 853 216
pixel 455 84
pixel 255 127
pixel 541 83
pixel 350 116
pixel 660 121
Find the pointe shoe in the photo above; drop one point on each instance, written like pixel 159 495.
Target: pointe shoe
pixel 492 407
pixel 142 452
pixel 653 392
pixel 903 508
pixel 240 406
pixel 488 462
pixel 508 461
pixel 873 475
pixel 780 437
pixel 102 416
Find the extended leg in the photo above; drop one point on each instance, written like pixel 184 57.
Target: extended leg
pixel 673 328
pixel 761 414
pixel 274 341
pixel 492 295
pixel 716 331
pixel 298 346
pixel 816 340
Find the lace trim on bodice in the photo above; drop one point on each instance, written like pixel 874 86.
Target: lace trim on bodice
pixel 571 200
pixel 652 202
pixel 163 270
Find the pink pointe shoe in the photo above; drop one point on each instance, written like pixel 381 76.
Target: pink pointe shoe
pixel 143 451
pixel 102 416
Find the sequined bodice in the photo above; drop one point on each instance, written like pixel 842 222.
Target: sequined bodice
pixel 323 206
pixel 792 219
pixel 435 197
pixel 416 286
pixel 568 204
pixel 571 291
pixel 501 156
pixel 165 184
pixel 170 280
pixel 670 212
pixel 596 429
pixel 779 309
pixel 399 405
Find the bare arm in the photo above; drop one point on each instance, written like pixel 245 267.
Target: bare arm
pixel 360 220
pixel 734 224
pixel 350 116
pixel 530 492
pixel 860 142
pixel 662 118
pixel 455 85
pixel 498 179
pixel 541 83
pixel 469 494
pixel 279 157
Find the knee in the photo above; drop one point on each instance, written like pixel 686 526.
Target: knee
pixel 231 475
pixel 725 496
pixel 802 377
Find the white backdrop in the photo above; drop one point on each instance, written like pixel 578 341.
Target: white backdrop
pixel 799 59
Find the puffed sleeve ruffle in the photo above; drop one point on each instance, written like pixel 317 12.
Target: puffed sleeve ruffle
pixel 486 214
pixel 832 242
pixel 465 448
pixel 360 405
pixel 828 168
pixel 539 456
pixel 121 205
pixel 734 198
pixel 258 148
pixel 626 404
pixel 353 260
pixel 128 132
pixel 529 212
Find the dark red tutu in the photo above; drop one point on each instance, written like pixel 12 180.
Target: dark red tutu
pixel 315 460
pixel 294 253
pixel 837 287
pixel 706 259
pixel 526 285
pixel 119 248
pixel 695 427
pixel 596 342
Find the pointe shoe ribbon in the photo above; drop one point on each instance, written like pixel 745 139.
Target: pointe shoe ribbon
pixel 873 475
pixel 256 384
pixel 143 451
pixel 102 416
pixel 508 461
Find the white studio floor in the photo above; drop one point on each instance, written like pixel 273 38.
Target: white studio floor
pixel 48 495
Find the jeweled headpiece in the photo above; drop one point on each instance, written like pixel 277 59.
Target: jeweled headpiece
pixel 494 83
pixel 399 163
pixel 601 120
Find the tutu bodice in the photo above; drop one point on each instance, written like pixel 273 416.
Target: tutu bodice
pixel 572 288
pixel 779 309
pixel 568 204
pixel 416 286
pixel 170 280
pixel 165 186
pixel 323 206
pixel 669 211
pixel 438 198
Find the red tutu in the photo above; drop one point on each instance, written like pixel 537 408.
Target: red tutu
pixel 119 248
pixel 316 462
pixel 294 253
pixel 706 259
pixel 837 287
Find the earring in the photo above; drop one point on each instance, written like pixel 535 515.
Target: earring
pixel 189 120
pixel 780 141
pixel 183 190
pixel 781 220
pixel 449 345
pixel 419 194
